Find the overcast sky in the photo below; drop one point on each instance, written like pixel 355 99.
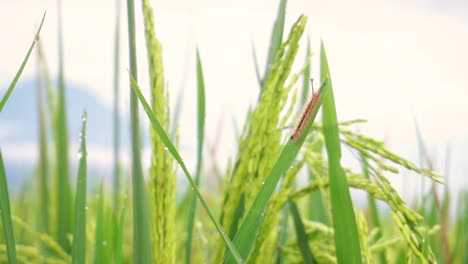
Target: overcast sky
pixel 390 61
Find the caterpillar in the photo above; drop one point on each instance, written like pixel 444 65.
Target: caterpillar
pixel 307 114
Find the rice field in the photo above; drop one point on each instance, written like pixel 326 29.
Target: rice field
pixel 262 213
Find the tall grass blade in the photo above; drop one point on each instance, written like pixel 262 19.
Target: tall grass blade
pixel 119 235
pixel 315 208
pixel 301 235
pixel 344 222
pixel 283 234
pixel 200 137
pixel 21 68
pixel 171 148
pixel 141 228
pixel 276 38
pixel 6 214
pixel 21 201
pixel 460 244
pixel 101 247
pixel 63 189
pixel 245 237
pixel 116 114
pixel 237 216
pixel 43 172
pixel 79 235
pixel 50 91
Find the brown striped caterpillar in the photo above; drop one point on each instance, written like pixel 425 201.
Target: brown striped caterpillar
pixel 307 114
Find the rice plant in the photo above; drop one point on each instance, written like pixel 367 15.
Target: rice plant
pixel 262 214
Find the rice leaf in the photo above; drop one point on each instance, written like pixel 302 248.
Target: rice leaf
pixel 21 68
pixel 344 222
pixel 116 104
pixel 165 138
pixel 5 213
pixel 237 216
pixel 302 239
pixel 43 170
pixel 101 247
pixel 50 91
pixel 315 208
pixel 276 38
pixel 201 135
pixel 79 235
pixel 460 229
pixel 141 229
pixel 119 234
pixel 245 237
pixel 64 208
pixel 283 233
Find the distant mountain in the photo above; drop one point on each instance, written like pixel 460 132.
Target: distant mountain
pixel 19 127
pixel 21 110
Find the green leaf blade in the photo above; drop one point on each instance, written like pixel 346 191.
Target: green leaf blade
pixel 276 38
pixel 200 137
pixel 101 238
pixel 142 252
pixel 301 235
pixel 116 110
pixel 64 208
pixel 21 68
pixel 5 214
pixel 119 235
pixel 43 169
pixel 79 234
pixel 344 223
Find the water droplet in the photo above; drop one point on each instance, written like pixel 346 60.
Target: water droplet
pixel 263 183
pixel 79 154
pixel 104 243
pixel 166 149
pixel 86 208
